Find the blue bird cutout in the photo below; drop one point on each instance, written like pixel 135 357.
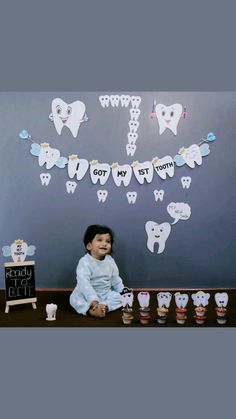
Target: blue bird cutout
pixel 24 135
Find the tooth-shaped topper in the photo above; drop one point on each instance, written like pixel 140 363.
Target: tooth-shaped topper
pixel 221 299
pixel 186 181
pixel 99 172
pixel 121 174
pixel 164 166
pixel 181 300
pixel 69 115
pixel 132 196
pixel 157 233
pixel 168 117
pixel 143 171
pixel 127 297
pixel 191 155
pixel 77 167
pixel 200 298
pixel 143 299
pixel 164 299
pixel 179 211
pixel 102 195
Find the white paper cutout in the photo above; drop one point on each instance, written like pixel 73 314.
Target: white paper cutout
pixel 77 167
pixel 48 156
pixel 186 181
pixel 71 186
pixel 164 299
pixel 200 298
pixel 102 195
pixel 132 137
pixel 131 196
pixel 121 174
pixel 135 101
pixel 221 299
pixel 18 250
pixel 114 100
pixel 191 155
pixel 179 211
pixel 133 126
pixel 45 178
pixel 168 117
pixel 159 194
pixel 99 172
pixel 181 300
pixel 104 100
pixel 130 149
pixel 51 310
pixel 69 115
pixel 164 166
pixel 157 233
pixel 127 297
pixel 125 100
pixel 143 171
pixel 134 114
pixel 143 299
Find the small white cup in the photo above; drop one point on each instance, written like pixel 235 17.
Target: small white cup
pixel 51 310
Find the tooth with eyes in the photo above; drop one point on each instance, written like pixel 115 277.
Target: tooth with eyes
pixel 115 99
pixel 168 117
pixel 121 174
pixel 134 114
pixel 181 300
pixel 158 194
pixel 133 126
pixel 221 299
pixel 143 299
pixel 164 299
pixel 104 100
pixel 157 233
pixel 200 298
pixel 45 178
pixel 135 101
pixel 143 171
pixel 130 149
pixel 186 181
pixel 71 186
pixel 69 115
pixel 191 155
pixel 102 195
pixel 125 100
pixel 77 167
pixel 164 166
pixel 132 137
pixel 48 155
pixel 99 172
pixel 127 297
pixel 19 250
pixel 131 196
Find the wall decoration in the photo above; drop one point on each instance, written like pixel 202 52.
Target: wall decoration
pixel 121 174
pixel 157 233
pixel 132 196
pixel 71 186
pixel 18 250
pixel 164 166
pixel 45 178
pixel 47 155
pixel 159 195
pixel 102 195
pixel 69 115
pixel 186 181
pixel 99 172
pixel 130 149
pixel 168 117
pixel 77 167
pixel 143 171
pixel 179 211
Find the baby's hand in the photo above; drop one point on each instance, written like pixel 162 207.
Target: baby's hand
pixel 98 310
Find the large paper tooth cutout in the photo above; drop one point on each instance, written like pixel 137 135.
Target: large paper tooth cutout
pixel 144 299
pixel 191 155
pixel 135 101
pixel 168 117
pixel 125 100
pixel 104 100
pixel 134 114
pixel 121 174
pixel 157 233
pixel 131 196
pixel 77 167
pixel 143 171
pixel 164 166
pixel 48 155
pixel 45 178
pixel 221 299
pixel 164 299
pixel 132 137
pixel 99 172
pixel 130 149
pixel 19 250
pixel 102 195
pixel 186 181
pixel 200 298
pixel 133 126
pixel 71 186
pixel 181 300
pixel 68 115
pixel 158 195
pixel 114 100
pixel 179 211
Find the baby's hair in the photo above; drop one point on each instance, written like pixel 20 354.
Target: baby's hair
pixel 95 229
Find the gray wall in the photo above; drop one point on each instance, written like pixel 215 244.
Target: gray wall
pixel 200 252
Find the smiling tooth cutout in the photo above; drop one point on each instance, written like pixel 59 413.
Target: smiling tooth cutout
pixel 130 149
pixel 200 298
pixel 164 166
pixel 134 114
pixel 191 155
pixel 131 196
pixel 132 137
pixel 121 174
pixel 164 299
pixel 77 167
pixel 168 117
pixel 48 155
pixel 99 172
pixel 221 299
pixel 186 182
pixel 158 195
pixel 104 100
pixel 45 178
pixel 102 195
pixel 143 171
pixel 181 300
pixel 125 100
pixel 68 115
pixel 71 186
pixel 133 126
pixel 157 233
pixel 143 299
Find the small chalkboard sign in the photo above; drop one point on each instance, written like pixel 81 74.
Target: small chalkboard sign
pixel 20 283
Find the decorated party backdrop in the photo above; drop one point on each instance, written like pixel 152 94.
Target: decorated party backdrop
pixel 157 167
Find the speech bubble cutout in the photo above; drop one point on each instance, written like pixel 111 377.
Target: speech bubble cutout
pixel 179 211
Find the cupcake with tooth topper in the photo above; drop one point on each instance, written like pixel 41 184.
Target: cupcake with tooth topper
pixel 200 300
pixel 163 300
pixel 181 301
pixel 127 298
pixel 221 299
pixel 144 310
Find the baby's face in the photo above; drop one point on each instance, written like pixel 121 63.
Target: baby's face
pixel 100 246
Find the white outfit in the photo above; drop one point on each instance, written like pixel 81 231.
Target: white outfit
pixel 96 280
